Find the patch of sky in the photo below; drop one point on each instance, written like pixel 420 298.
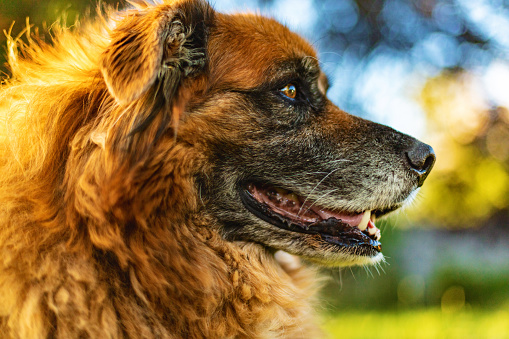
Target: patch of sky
pixel 386 91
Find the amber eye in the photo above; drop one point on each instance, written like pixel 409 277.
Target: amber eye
pixel 290 91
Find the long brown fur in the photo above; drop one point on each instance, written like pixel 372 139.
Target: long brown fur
pixel 102 233
pixel 132 149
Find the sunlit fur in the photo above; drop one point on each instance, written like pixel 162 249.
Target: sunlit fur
pixel 99 230
pixel 125 146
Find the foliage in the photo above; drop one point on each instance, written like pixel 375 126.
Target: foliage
pixel 470 182
pixel 16 15
pixel 417 324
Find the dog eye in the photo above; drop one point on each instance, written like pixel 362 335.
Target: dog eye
pixel 289 91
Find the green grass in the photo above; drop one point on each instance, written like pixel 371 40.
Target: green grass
pixel 417 324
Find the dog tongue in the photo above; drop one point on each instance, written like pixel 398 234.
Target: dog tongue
pixel 291 206
pixel 351 219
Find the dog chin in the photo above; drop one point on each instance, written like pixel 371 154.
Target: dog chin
pixel 316 251
pixel 344 259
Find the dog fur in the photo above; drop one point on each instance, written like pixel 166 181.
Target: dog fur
pixel 123 147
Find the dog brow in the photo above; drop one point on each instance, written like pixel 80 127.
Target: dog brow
pixel 323 83
pixel 313 67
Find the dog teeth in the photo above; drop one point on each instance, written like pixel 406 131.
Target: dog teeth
pixel 365 220
pixel 373 230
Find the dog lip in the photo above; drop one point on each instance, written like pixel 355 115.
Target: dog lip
pixel 381 212
pixel 331 230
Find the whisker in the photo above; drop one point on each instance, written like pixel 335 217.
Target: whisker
pixel 317 200
pixel 338 160
pixel 314 188
pixel 376 268
pixel 368 272
pixel 353 274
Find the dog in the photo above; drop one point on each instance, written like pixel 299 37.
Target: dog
pixel 163 169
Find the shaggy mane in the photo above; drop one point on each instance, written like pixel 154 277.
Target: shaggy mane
pixel 101 233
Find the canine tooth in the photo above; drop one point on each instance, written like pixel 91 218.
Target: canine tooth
pixel 364 221
pixel 372 228
pixel 374 231
pixel 378 234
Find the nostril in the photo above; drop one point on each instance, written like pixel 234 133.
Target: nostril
pixel 429 162
pixel 421 158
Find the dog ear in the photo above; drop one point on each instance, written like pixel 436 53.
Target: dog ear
pixel 155 42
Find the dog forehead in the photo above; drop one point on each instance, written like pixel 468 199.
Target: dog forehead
pixel 244 49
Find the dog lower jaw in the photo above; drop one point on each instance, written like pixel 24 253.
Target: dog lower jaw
pixel 329 242
pixel 346 259
pixel 291 263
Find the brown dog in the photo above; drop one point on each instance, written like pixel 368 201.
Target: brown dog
pixel 153 161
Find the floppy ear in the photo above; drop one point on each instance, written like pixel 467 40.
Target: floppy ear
pixel 164 42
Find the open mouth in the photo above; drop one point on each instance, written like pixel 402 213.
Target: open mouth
pixel 292 212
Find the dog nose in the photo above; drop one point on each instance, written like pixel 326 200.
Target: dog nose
pixel 421 159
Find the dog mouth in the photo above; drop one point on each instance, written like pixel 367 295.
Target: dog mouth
pixel 291 212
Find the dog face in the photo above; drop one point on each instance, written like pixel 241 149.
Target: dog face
pixel 280 165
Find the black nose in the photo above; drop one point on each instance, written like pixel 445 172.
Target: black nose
pixel 421 159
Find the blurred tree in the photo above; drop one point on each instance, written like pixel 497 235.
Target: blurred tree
pixel 41 14
pixel 403 25
pixel 471 180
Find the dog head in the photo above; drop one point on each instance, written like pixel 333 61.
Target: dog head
pixel 273 160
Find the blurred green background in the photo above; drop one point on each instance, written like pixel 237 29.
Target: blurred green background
pixel 436 69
